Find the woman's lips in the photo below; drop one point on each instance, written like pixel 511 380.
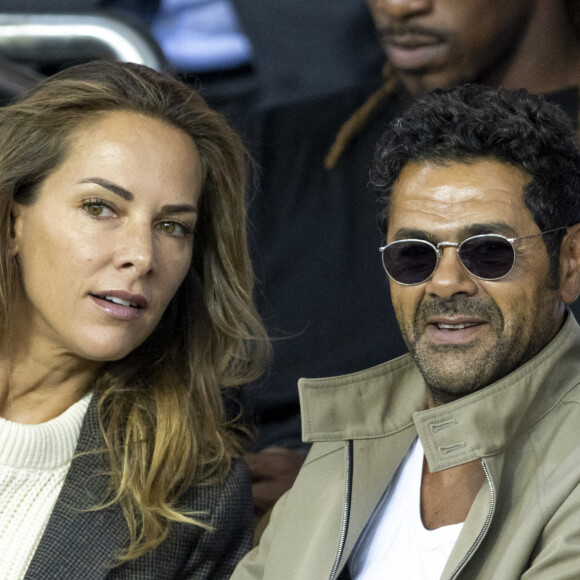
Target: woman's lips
pixel 120 305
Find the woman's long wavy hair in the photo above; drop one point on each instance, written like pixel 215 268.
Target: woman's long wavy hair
pixel 161 408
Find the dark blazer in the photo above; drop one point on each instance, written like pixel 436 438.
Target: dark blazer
pixel 81 545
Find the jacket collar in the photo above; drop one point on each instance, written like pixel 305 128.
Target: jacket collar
pixel 388 398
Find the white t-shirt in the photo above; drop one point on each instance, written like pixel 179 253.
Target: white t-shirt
pixel 394 543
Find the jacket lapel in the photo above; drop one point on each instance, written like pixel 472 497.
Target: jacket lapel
pixel 78 543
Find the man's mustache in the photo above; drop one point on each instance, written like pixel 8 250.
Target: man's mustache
pixel 462 306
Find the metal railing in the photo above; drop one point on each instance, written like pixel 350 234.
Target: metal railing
pixel 55 39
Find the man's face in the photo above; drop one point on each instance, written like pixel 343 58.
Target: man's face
pixel 463 332
pixel 440 43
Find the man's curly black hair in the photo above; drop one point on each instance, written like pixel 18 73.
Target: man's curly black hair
pixel 470 123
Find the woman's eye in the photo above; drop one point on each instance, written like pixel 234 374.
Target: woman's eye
pixel 97 209
pixel 174 228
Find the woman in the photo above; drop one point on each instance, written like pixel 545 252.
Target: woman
pixel 126 310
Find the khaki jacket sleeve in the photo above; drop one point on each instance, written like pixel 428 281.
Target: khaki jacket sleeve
pixel 252 566
pixel 557 554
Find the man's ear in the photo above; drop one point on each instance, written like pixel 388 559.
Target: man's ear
pixel 570 265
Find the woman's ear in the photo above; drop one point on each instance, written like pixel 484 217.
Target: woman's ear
pixel 15 228
pixel 570 265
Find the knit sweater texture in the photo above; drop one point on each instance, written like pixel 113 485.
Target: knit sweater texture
pixel 34 460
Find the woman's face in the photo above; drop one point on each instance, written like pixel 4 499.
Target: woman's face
pixel 109 239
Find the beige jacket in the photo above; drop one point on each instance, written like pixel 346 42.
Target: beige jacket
pixel 525 428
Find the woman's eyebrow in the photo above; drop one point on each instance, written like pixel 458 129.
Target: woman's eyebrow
pixel 182 208
pixel 114 188
pixel 126 194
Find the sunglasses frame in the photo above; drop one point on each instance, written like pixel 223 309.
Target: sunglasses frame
pixel 458 245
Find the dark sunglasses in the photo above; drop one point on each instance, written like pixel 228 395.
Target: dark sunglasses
pixel 487 256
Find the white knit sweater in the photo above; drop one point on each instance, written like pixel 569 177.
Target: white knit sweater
pixel 34 460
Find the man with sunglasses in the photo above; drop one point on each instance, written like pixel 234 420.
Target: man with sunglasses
pixel 462 458
pixel 320 289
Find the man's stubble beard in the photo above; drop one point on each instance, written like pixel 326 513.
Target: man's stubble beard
pixel 453 371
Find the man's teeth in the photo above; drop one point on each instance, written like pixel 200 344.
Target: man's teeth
pixel 119 301
pixel 455 326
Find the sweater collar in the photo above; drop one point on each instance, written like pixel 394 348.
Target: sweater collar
pixel 48 445
pixel 388 398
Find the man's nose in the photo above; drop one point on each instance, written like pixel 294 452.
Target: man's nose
pixel 450 277
pixel 402 8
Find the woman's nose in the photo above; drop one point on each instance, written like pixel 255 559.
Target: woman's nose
pixel 135 249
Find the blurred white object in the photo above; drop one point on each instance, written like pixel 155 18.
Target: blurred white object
pixel 201 35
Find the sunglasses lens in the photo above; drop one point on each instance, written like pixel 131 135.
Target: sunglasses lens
pixel 410 262
pixel 488 257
